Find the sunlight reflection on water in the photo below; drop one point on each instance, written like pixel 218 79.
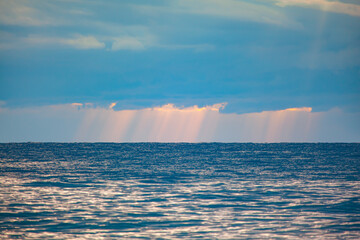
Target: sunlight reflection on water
pixel 177 200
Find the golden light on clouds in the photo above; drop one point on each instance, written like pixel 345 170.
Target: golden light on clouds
pixel 112 105
pixel 77 104
pixel 303 109
pixel 168 123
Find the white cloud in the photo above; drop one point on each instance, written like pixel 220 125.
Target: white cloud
pixel 82 42
pixel 18 12
pixel 120 36
pixel 324 5
pixel 230 9
pixel 78 41
pixel 42 13
pixel 168 123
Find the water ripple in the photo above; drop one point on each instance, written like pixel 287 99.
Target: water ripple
pixel 160 196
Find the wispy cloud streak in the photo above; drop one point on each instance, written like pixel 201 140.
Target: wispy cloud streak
pixel 78 41
pixel 324 5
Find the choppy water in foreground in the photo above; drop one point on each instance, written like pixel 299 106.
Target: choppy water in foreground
pixel 179 191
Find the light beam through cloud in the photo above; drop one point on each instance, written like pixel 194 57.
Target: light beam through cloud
pixel 168 123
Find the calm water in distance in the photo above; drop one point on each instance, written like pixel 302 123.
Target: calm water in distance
pixel 179 191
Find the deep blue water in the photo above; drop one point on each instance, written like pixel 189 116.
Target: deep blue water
pixel 179 191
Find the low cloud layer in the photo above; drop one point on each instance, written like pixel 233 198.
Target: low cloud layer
pixel 168 123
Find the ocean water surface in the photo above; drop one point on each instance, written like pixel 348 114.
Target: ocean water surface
pixel 179 191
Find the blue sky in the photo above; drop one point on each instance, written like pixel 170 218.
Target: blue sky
pixel 254 55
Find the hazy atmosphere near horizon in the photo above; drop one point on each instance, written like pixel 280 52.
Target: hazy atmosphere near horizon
pixel 180 71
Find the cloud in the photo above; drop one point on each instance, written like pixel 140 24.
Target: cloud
pixel 302 109
pixel 127 43
pixel 229 9
pixel 112 105
pixel 82 42
pixel 78 41
pixel 144 42
pixel 172 108
pixel 38 13
pixel 168 123
pixel 122 35
pixel 133 38
pixel 77 104
pixel 18 12
pixel 324 5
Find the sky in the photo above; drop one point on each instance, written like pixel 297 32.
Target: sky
pixel 180 70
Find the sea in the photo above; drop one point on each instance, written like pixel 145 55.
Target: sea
pixel 179 191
